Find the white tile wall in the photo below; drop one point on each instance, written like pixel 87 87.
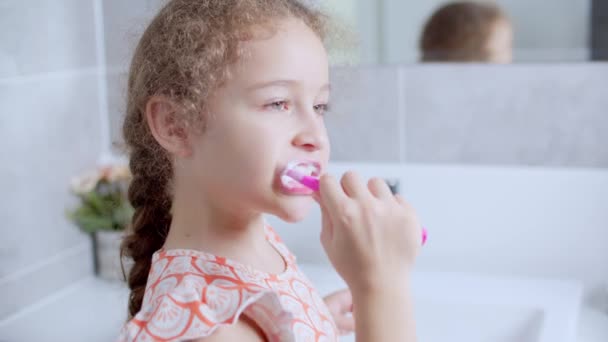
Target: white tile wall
pixel 44 36
pixel 117 98
pixel 124 22
pixel 51 129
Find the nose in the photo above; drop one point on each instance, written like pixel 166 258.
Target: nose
pixel 311 134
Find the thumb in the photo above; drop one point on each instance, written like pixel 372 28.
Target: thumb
pixel 327 230
pixel 317 197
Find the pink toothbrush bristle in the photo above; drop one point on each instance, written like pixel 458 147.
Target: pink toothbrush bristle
pixel 308 181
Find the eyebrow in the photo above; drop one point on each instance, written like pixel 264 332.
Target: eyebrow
pixel 287 83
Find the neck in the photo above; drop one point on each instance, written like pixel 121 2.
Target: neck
pixel 223 229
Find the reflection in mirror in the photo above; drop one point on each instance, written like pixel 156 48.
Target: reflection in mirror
pixel 522 31
pixel 467 31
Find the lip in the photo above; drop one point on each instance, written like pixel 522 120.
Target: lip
pixel 290 186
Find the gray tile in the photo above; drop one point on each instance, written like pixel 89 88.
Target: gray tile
pixel 363 123
pixel 46 36
pixel 551 115
pixel 117 95
pixel 50 128
pixel 124 22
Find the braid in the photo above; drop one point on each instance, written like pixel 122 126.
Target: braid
pixel 149 195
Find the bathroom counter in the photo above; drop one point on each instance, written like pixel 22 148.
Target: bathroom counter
pixel 94 310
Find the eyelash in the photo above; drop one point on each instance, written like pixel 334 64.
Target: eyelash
pixel 324 107
pixel 273 105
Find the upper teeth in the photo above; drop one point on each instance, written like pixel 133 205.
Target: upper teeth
pixel 307 169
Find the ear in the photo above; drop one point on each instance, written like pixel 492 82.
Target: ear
pixel 166 127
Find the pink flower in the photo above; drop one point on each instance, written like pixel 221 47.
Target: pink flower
pixel 109 173
pixel 85 183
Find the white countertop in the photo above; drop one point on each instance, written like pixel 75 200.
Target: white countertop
pixel 94 310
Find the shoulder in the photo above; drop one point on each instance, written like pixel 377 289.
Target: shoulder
pixel 188 297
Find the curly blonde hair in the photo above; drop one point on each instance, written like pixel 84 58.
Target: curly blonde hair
pixel 183 55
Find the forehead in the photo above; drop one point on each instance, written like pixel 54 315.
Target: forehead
pixel 290 51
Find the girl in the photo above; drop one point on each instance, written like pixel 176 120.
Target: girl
pixel 468 31
pixel 225 99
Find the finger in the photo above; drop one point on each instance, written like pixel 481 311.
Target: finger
pixel 343 298
pixel 352 185
pixel 327 230
pixel 379 188
pixel 331 194
pixel 345 323
pixel 316 196
pixel 401 201
pixel 423 230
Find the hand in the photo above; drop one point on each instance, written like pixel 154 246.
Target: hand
pixel 340 304
pixel 371 236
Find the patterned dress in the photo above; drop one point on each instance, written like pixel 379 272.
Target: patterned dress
pixel 190 293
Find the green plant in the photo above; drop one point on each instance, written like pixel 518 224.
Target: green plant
pixel 103 199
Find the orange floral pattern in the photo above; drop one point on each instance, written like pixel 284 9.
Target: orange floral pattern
pixel 191 293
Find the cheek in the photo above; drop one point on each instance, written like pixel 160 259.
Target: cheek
pixel 245 151
pixel 252 160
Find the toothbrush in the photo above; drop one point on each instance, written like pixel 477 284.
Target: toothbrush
pixel 313 184
pixel 308 181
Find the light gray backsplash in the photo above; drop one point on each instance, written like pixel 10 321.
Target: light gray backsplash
pixel 124 22
pixel 544 115
pixel 364 123
pixel 549 115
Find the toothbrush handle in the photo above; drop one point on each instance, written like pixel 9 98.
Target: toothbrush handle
pixel 310 182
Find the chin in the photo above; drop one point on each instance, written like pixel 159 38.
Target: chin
pixel 294 209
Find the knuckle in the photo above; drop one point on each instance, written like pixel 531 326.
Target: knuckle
pixel 376 209
pixel 348 213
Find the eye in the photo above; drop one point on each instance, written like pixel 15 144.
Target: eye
pixel 278 105
pixel 321 109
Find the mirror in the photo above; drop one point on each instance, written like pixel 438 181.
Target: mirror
pixel 521 31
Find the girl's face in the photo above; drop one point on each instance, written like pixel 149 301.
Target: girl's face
pixel 269 113
pixel 500 43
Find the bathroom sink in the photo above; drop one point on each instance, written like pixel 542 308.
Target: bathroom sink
pixel 458 321
pixel 474 308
